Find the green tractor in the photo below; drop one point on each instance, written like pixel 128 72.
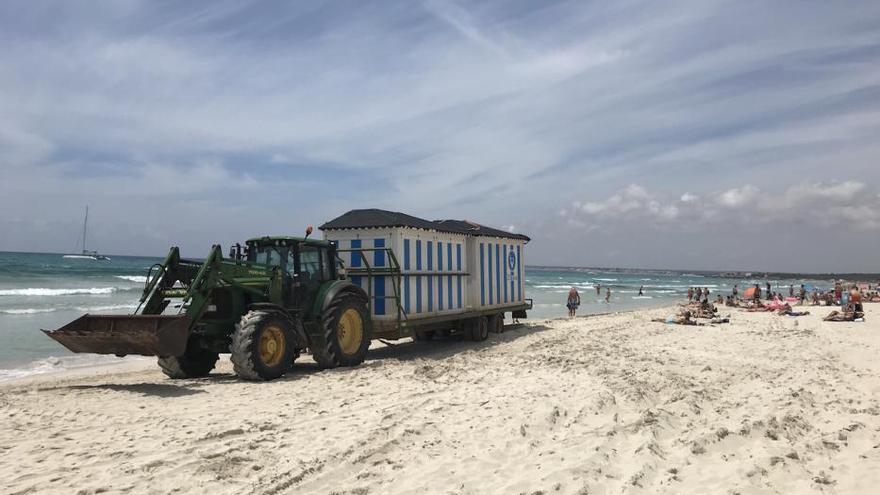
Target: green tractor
pixel 265 304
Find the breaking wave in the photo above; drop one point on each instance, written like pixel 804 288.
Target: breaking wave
pixel 40 291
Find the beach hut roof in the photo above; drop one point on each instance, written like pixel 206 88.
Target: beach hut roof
pixel 376 218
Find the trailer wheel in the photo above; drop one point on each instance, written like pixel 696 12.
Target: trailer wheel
pixel 478 329
pixel 496 323
pixel 423 335
pixel 195 363
pixel 348 331
pixel 262 346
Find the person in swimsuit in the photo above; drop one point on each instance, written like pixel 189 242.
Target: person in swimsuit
pixel 642 290
pixel 607 294
pixel 574 300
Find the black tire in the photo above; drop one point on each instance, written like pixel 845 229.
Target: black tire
pixel 336 350
pixel 195 363
pixel 423 335
pixel 263 346
pixel 477 329
pixel 496 323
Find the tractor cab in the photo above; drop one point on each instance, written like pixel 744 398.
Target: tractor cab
pixel 305 263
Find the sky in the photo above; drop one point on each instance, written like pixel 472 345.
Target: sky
pixel 703 135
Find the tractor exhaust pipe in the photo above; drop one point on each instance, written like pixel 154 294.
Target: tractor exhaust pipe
pixel 147 335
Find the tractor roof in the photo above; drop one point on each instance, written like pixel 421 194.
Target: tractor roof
pixel 287 239
pixel 375 218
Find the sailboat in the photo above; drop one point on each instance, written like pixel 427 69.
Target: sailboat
pixel 86 254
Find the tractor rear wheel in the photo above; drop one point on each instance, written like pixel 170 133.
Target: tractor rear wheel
pixel 262 346
pixel 347 333
pixel 496 323
pixel 195 363
pixel 478 329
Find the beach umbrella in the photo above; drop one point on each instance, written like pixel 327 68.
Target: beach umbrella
pixel 749 293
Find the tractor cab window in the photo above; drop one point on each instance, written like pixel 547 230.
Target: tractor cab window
pixel 310 263
pixel 269 255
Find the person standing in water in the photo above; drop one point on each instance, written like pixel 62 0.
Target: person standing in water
pixel 690 294
pixel 574 300
pixel 608 294
pixel 598 288
pixel 642 290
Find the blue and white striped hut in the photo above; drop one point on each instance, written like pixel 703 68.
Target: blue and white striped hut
pixel 448 266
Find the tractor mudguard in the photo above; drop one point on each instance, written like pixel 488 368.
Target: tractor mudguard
pixel 330 290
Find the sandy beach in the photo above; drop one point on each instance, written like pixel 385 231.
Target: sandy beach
pixel 604 404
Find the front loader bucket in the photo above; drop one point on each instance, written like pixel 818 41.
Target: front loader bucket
pixel 147 335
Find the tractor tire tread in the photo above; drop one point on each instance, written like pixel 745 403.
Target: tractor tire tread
pixel 179 367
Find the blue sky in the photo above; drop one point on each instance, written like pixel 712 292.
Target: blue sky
pixel 693 134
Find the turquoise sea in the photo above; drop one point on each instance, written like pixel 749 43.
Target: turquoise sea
pixel 46 291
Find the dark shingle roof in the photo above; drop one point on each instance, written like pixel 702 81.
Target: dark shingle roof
pixel 375 218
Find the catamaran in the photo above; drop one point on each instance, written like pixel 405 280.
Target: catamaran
pixel 86 254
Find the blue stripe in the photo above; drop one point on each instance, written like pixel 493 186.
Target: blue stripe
pixel 439 279
pixel 449 256
pixel 449 291
pixel 356 280
pixel 459 291
pixel 497 273
pixel 355 257
pixel 519 276
pixel 491 285
pixel 482 287
pixel 418 293
pixel 406 294
pixel 458 257
pixel 418 277
pixel 379 291
pixel 504 258
pixel 379 256
pixel 406 254
pixel 430 278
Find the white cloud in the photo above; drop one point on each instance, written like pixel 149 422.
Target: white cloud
pixel 733 198
pixel 848 204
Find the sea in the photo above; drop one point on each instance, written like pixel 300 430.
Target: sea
pixel 46 291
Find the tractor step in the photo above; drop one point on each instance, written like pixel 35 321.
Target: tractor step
pixel 147 335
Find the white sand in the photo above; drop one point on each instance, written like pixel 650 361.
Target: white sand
pixel 611 404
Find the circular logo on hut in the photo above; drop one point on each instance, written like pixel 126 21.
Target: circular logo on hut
pixel 511 260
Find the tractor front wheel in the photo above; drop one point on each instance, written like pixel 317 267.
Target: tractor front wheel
pixel 262 346
pixel 195 363
pixel 347 333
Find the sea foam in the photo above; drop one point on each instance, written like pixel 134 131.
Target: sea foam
pixel 30 291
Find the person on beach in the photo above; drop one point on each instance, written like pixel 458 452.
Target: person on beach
pixel 802 295
pixel 607 294
pixel 735 292
pixel 791 290
pixel 598 288
pixel 574 300
pixel 642 290
pixel 690 294
pixel 768 290
pixel 757 296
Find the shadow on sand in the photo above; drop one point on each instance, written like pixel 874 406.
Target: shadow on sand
pixel 405 350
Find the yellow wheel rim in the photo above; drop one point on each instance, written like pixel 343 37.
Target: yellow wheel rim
pixel 272 345
pixel 350 332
